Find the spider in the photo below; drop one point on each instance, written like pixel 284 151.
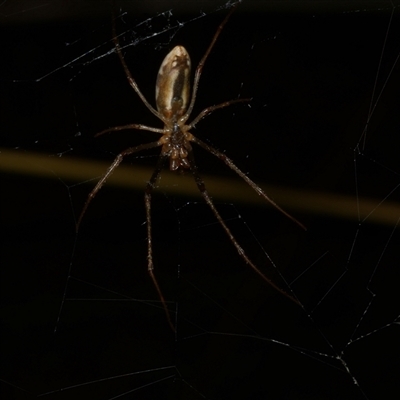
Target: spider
pixel 174 107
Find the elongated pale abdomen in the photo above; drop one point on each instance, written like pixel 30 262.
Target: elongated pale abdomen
pixel 173 84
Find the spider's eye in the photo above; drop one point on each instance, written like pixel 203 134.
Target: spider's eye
pixel 173 85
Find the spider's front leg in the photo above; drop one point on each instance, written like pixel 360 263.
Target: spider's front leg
pixel 150 266
pixel 202 188
pixel 109 171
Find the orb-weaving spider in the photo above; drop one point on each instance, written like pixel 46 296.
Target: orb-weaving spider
pixel 174 109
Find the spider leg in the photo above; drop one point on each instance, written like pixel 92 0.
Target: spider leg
pixel 150 266
pixel 200 66
pixel 211 109
pixel 110 170
pixel 207 198
pixel 232 166
pixel 128 74
pixel 130 126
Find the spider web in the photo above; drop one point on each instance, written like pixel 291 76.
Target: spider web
pixel 80 317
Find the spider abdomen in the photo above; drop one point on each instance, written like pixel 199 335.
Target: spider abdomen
pixel 173 84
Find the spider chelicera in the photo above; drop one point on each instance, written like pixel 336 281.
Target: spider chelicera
pixel 174 107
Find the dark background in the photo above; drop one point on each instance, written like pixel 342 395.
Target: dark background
pixel 311 70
